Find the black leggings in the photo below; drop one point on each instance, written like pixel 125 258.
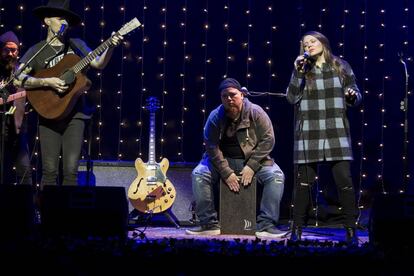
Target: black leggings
pixel 306 177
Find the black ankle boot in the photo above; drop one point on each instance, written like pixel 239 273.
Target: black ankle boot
pixel 351 236
pixel 296 234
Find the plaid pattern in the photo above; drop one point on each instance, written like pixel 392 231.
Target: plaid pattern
pixel 322 128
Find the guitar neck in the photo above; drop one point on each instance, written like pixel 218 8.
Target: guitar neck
pixel 151 151
pixel 14 96
pixel 128 27
pixel 92 55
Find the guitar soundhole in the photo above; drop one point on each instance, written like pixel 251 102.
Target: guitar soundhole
pixel 68 77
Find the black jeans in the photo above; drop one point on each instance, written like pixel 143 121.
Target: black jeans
pixel 17 155
pixel 306 177
pixel 53 141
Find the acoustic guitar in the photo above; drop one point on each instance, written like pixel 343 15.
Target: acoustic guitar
pixel 151 191
pixel 53 105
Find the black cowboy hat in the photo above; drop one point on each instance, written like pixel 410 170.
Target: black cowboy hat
pixel 58 8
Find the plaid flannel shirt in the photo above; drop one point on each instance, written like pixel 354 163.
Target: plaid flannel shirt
pixel 321 127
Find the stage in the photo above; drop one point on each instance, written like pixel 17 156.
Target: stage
pixel 333 235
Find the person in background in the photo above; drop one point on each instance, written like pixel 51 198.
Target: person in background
pixel 238 136
pixel 322 86
pixel 16 155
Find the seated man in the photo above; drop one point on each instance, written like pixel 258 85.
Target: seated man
pixel 238 136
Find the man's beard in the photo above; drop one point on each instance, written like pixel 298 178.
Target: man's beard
pixel 7 65
pixel 232 111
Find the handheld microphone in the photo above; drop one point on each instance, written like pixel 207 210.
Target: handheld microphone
pixel 62 29
pixel 301 67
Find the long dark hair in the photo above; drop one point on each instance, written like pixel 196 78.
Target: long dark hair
pixel 332 60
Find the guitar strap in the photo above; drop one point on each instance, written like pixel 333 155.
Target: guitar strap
pixel 78 48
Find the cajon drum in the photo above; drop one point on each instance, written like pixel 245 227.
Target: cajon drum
pixel 238 210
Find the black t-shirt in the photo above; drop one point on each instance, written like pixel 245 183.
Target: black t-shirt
pixel 229 144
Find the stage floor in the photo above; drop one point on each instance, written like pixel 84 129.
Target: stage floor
pixel 322 234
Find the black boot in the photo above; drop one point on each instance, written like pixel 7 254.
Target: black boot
pixel 351 236
pixel 296 234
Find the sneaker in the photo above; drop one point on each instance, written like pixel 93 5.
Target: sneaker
pixel 271 232
pixel 204 230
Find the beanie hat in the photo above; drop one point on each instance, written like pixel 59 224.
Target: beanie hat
pixel 229 82
pixel 9 37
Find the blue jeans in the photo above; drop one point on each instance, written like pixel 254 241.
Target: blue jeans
pixel 205 176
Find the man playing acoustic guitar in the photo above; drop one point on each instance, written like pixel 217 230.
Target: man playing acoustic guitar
pixel 64 132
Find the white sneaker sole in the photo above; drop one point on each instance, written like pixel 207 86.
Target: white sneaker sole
pixel 269 235
pixel 204 233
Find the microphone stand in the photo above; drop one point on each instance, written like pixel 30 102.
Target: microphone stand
pixel 259 94
pixel 5 94
pixel 404 107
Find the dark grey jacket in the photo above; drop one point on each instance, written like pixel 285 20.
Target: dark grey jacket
pixel 254 133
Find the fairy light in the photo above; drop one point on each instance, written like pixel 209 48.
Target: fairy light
pixel 381 99
pixel 346 12
pixel 404 103
pixel 143 90
pixel 86 8
pixel 184 109
pixel 363 89
pixel 203 78
pixel 120 91
pixel 249 58
pixel 269 47
pixel 163 77
pixel 228 38
pixel 322 15
pixel 100 75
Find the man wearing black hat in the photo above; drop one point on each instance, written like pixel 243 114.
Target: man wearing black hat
pixel 16 151
pixel 238 135
pixel 63 134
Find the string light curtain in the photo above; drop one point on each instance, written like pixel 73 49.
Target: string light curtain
pixel 404 59
pixel 100 75
pixel 141 74
pixel 359 146
pixel 163 77
pixel 186 58
pixel 204 41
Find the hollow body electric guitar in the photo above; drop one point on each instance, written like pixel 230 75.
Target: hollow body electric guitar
pixel 53 105
pixel 151 191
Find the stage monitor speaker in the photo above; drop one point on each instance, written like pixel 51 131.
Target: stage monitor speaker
pixel 16 211
pixel 391 222
pixel 123 173
pixel 84 211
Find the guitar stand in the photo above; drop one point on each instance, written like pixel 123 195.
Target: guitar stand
pixel 171 218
